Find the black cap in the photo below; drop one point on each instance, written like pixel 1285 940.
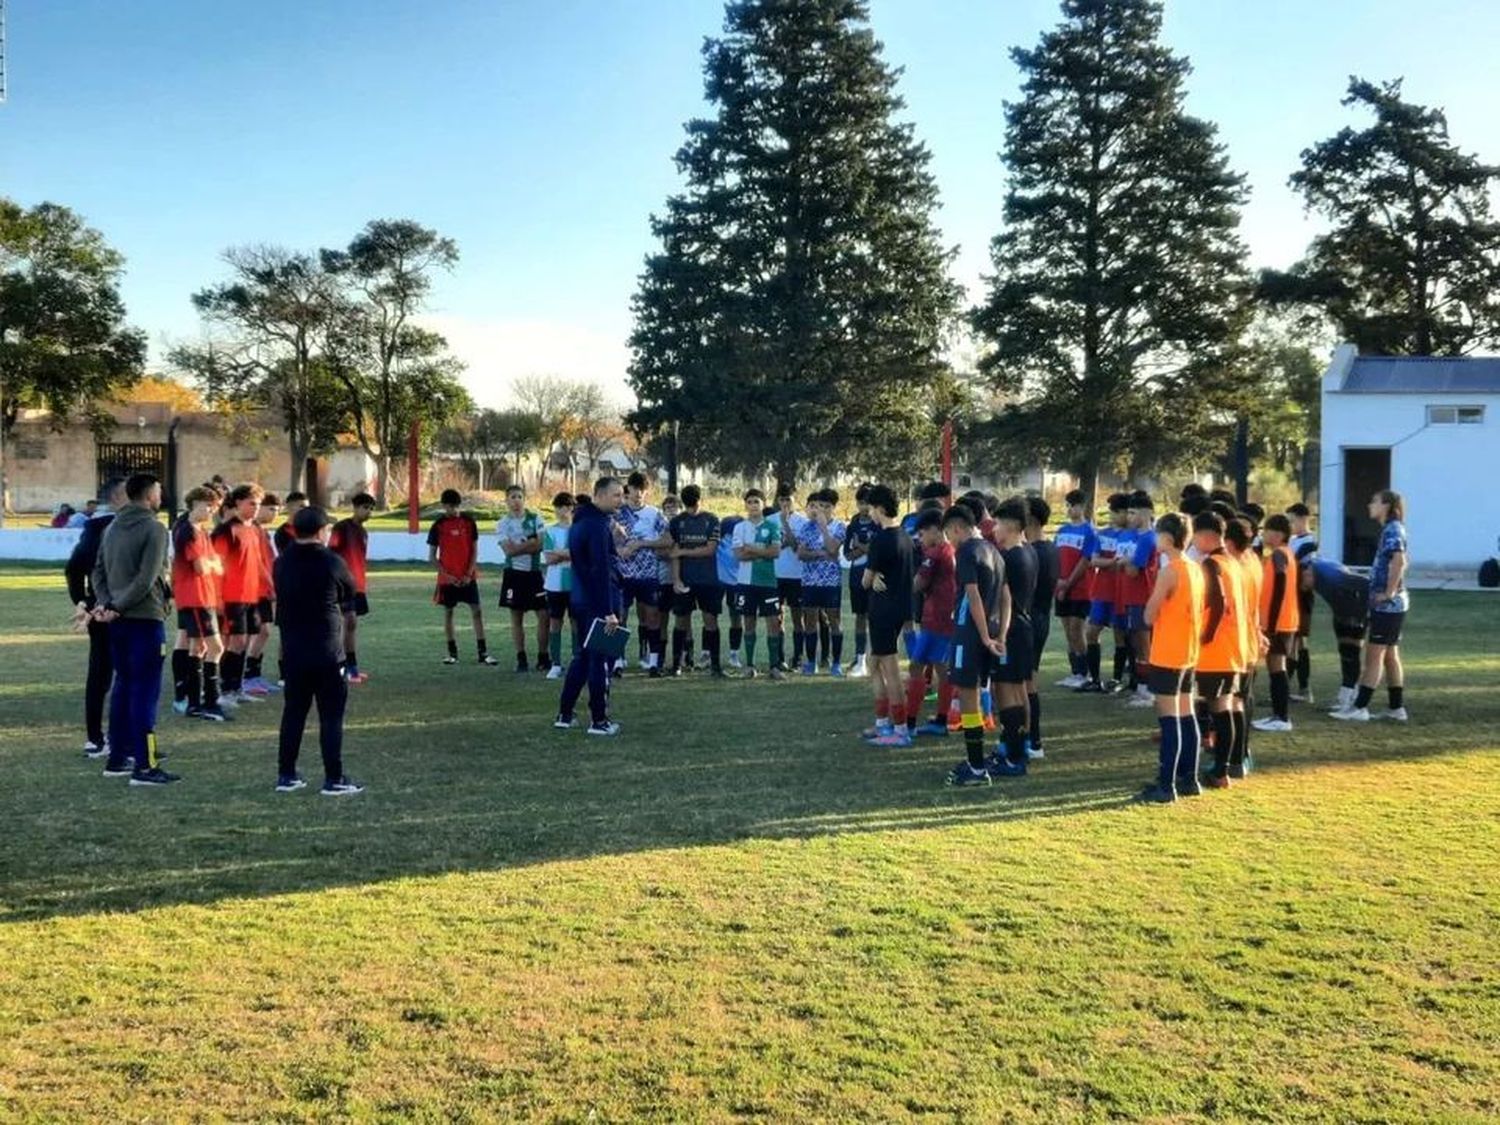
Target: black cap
pixel 309 521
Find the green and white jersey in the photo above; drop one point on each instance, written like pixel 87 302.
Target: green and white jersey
pixel 757 572
pixel 559 576
pixel 516 529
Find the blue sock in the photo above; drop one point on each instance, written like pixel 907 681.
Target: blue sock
pixel 1166 769
pixel 1187 764
pixel 986 702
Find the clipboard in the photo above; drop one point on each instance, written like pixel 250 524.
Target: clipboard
pixel 611 645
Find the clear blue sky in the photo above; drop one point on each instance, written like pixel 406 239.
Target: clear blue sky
pixel 539 133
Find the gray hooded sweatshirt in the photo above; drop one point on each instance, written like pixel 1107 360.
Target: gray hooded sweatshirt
pixel 130 575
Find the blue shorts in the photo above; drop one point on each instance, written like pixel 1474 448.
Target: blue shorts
pixel 1133 620
pixel 927 647
pixel 1101 613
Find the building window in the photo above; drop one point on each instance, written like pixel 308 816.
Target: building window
pixel 1455 415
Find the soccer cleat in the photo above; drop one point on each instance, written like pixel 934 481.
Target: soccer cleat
pixel 1090 687
pixel 1216 781
pixel 1351 715
pixel 451 659
pixel 343 787
pixel 606 729
pixel 565 722
pixel 895 738
pixel 998 766
pixel 555 672
pixel 118 771
pixel 808 668
pixel 1113 687
pixel 1272 725
pixel 522 664
pixel 180 706
pixel 213 715
pixel 881 728
pixel 1140 701
pixel 749 673
pixel 487 660
pixel 964 774
pixel 778 673
pixel 1072 680
pixel 1189 787
pixel 1395 715
pixel 1238 771
pixel 861 668
pixel 653 673
pixel 157 776
pixel 836 670
pixel 735 661
pixel 290 784
pixel 95 750
pixel 1154 794
pixel 705 660
pixel 1034 753
pixel 933 729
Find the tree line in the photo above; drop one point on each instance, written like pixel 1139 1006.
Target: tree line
pixel 798 314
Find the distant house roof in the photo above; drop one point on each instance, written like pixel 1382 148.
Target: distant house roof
pixel 1456 375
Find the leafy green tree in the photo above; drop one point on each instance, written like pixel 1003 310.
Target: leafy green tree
pixel 64 343
pixel 1411 262
pixel 1119 283
pixel 267 346
pixel 793 315
pixel 395 372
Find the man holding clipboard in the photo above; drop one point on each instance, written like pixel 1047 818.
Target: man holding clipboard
pixel 596 605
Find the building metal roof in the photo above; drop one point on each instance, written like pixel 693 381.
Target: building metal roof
pixel 1451 375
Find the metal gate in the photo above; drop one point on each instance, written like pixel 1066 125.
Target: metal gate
pixel 121 459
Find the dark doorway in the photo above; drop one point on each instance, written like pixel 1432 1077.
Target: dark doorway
pixel 122 459
pixel 1366 471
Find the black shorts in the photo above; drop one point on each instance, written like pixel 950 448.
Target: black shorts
pixel 521 591
pixel 822 597
pixel 1304 613
pixel 970 664
pixel 666 594
pixel 1073 607
pixel 1281 644
pixel 450 597
pixel 1348 629
pixel 361 605
pixel 859 597
pixel 1216 685
pixel 790 592
pixel 641 591
pixel 708 600
pixel 265 612
pixel 198 622
pixel 557 604
pixel 241 619
pixel 1041 629
pixel 885 635
pixel 757 601
pixel 1385 628
pixel 1170 681
pixel 1019 662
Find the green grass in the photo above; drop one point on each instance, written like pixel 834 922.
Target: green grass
pixel 736 911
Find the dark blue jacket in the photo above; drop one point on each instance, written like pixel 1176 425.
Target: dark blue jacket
pixel 80 568
pixel 595 561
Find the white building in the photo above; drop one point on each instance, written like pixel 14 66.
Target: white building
pixel 1428 427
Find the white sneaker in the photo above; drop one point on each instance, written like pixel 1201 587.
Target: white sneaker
pixel 555 672
pixel 1071 680
pixel 1272 725
pixel 704 660
pixel 1140 701
pixel 1352 715
pixel 1397 715
pixel 734 659
pixel 1345 700
pixel 861 668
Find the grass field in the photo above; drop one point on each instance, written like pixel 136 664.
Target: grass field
pixel 737 911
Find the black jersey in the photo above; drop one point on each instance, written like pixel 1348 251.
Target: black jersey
pixel 1020 577
pixel 1046 577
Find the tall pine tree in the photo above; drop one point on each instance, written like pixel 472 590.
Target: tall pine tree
pixel 1411 264
pixel 794 314
pixel 1119 277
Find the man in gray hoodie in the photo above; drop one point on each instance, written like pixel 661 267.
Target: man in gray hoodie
pixel 131 595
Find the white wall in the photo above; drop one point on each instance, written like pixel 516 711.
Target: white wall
pixel 1448 474
pixel 49 545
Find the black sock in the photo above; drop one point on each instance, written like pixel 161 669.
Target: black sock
pixel 1034 707
pixel 825 638
pixel 799 642
pixel 1092 659
pixel 1362 699
pixel 1349 666
pixel 1224 732
pixel 231 669
pixel 194 682
pixel 1396 696
pixel 252 665
pixel 711 646
pixel 210 683
pixel 838 648
pixel 453 649
pixel 1304 669
pixel 1119 662
pixel 1241 738
pixel 679 646
pixel 1281 692
pixel 179 674
pixel 736 637
pixel 1013 734
pixel 974 746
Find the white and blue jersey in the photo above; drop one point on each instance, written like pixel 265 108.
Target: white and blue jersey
pixel 825 571
pixel 1392 543
pixel 643 524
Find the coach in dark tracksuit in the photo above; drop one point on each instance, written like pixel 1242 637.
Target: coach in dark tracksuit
pixel 130 583
pixel 80 575
pixel 595 594
pixel 313 590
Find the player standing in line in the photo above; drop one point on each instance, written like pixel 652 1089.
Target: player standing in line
pixel 1018 665
pixel 240 545
pixel 643 529
pixel 520 532
pixel 728 567
pixel 1103 568
pixel 757 544
pixel 857 536
pixel 196 568
pixel 695 584
pixel 820 541
pixel 1348 596
pixel 981 621
pixel 1304 545
pixel 789 523
pixel 1389 603
pixel 933 643
pixel 265 603
pixel 890 576
pixel 1076 543
pixel 557 581
pixel 1278 614
pixel 1226 647
pixel 1136 580
pixel 1048 568
pixel 350 541
pixel 284 536
pixel 453 548
pixel 1238 537
pixel 1175 614
pixel 666 594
